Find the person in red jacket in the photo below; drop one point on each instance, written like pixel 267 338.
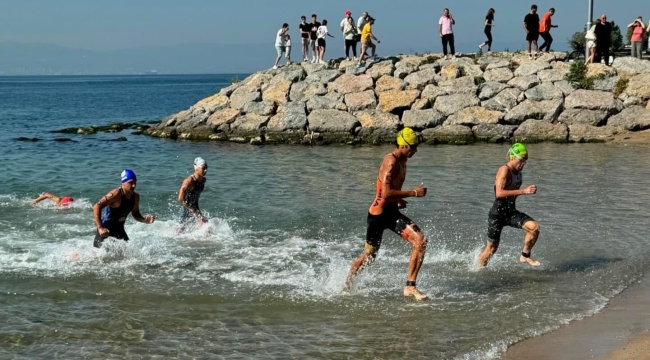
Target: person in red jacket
pixel 545 30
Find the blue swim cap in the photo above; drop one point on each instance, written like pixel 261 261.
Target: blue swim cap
pixel 128 175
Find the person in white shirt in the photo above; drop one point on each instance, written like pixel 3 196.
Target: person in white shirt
pixel 591 42
pixel 350 33
pixel 321 34
pixel 279 44
pixel 287 48
pixel 344 23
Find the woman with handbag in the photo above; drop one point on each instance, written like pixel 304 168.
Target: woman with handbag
pixel 591 42
pixel 350 33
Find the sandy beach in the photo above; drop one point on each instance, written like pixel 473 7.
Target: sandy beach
pixel 621 331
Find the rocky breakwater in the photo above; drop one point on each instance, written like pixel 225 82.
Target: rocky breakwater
pixel 499 98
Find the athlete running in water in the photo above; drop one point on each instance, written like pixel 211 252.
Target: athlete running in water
pixel 112 210
pixel 58 201
pixel 503 213
pixel 384 212
pixel 190 192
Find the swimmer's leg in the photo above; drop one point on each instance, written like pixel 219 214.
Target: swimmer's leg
pixel 366 258
pixel 374 234
pixel 490 249
pixel 413 235
pixel 532 233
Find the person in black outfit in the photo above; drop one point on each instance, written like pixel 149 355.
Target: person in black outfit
pixel 489 23
pixel 313 28
pixel 531 25
pixel 603 33
pixel 305 29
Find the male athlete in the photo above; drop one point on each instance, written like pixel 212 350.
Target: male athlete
pixel 58 201
pixel 112 210
pixel 503 213
pixel 190 192
pixel 384 212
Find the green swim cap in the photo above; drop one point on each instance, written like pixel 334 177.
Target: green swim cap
pixel 517 150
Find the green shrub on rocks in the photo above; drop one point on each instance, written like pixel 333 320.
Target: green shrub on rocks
pixel 578 76
pixel 620 87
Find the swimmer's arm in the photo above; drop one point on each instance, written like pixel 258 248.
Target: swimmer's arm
pixel 390 168
pixel 500 183
pixel 136 210
pixel 44 196
pixel 181 198
pixel 107 200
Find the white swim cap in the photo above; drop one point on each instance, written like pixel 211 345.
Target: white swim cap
pixel 199 162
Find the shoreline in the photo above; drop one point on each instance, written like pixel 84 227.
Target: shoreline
pixel 621 331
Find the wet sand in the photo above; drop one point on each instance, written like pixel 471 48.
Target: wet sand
pixel 620 332
pixel 633 138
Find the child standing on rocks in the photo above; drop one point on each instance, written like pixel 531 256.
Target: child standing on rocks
pixel 287 48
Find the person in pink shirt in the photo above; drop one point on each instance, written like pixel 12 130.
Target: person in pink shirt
pixel 446 32
pixel 638 28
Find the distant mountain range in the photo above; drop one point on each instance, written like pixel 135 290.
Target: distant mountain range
pixel 49 59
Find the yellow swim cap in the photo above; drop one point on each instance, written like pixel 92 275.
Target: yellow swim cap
pixel 407 137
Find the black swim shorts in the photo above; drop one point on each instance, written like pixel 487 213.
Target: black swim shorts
pixel 390 219
pixel 496 222
pixel 532 36
pixel 117 232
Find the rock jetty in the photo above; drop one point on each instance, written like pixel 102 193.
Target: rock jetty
pixel 499 98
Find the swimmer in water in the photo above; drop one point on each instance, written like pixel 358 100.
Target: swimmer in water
pixel 111 211
pixel 384 213
pixel 58 201
pixel 503 213
pixel 190 192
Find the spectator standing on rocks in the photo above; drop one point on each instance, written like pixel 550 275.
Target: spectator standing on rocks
pixel 648 31
pixel 446 33
pixel 531 25
pixel 287 48
pixel 344 22
pixel 545 30
pixel 603 33
pixel 321 34
pixel 363 20
pixel 305 29
pixel 350 34
pixel 489 23
pixel 313 38
pixel 366 40
pixel 591 42
pixel 638 29
pixel 279 44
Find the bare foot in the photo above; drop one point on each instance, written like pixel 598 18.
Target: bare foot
pixel 530 261
pixel 74 255
pixel 413 291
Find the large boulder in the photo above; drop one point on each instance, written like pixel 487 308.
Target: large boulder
pixel 347 83
pixel 524 83
pixel 544 91
pixel 243 95
pixel 473 71
pixel 303 91
pixel 292 73
pixel 332 121
pixel 491 59
pixel 450 71
pixel 565 87
pixel 583 117
pixel 552 75
pixel 386 83
pixel 402 70
pixel 531 68
pixel 532 131
pixel 548 110
pixel 328 101
pixel 630 66
pixel 504 101
pixel 582 133
pixel 593 100
pixel 448 134
pixel 639 86
pixel 393 100
pixel 597 70
pixel 462 85
pixel 474 115
pixel 422 104
pixel 431 92
pixel 223 117
pixel 451 104
pixel 264 108
pixel 493 133
pixel 422 119
pixel 257 80
pixel 502 75
pixel 210 104
pixel 291 116
pixel 361 100
pixel 606 84
pixel 382 68
pixel 633 100
pixel 378 126
pixel 249 123
pixel 490 89
pixel 312 68
pixel 633 119
pixel 501 63
pixel 277 91
pixel 419 79
pixel 323 76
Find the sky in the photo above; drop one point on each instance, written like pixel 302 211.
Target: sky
pixel 403 26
